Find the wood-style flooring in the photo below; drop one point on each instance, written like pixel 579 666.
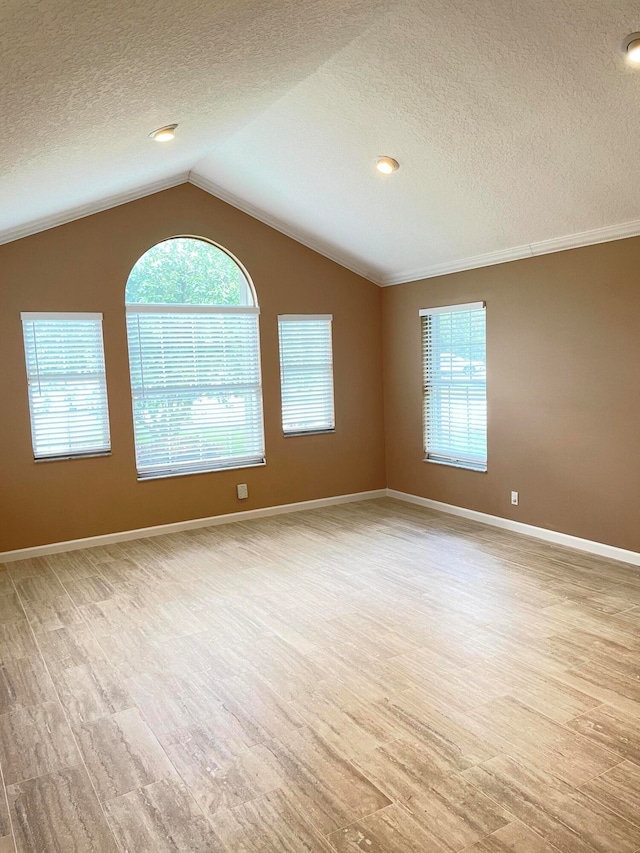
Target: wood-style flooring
pixel 370 677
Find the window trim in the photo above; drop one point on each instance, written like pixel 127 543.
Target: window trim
pixel 452 309
pixel 311 317
pixel 98 454
pixel 466 463
pixel 133 309
pixel 57 316
pixel 30 316
pixel 285 317
pixel 169 308
pixel 328 431
pixel 168 474
pixel 161 472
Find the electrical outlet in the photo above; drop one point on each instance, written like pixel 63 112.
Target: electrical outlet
pixel 515 498
pixel 242 490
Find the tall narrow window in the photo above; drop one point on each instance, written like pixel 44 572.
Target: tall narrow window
pixel 306 373
pixel 455 385
pixel 192 324
pixel 67 387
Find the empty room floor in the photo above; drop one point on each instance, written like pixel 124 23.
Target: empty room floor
pixel 370 676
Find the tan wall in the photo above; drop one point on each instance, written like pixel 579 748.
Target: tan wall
pixel 563 351
pixel 563 388
pixel 83 266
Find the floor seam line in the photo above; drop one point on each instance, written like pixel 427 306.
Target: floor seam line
pixel 66 717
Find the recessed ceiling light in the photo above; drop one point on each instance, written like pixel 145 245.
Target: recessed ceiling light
pixel 632 47
pixel 164 134
pixel 387 165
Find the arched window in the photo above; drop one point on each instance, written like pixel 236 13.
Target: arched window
pixel 194 356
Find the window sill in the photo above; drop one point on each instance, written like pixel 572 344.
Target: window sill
pixel 69 458
pixel 454 464
pixel 164 475
pixel 309 432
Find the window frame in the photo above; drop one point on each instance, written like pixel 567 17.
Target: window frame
pixel 470 462
pixel 252 308
pixel 286 318
pixel 71 316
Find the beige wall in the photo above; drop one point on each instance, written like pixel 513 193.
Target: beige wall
pixel 83 266
pixel 563 337
pixel 563 351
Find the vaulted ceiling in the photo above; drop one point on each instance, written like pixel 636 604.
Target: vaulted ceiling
pixel 516 124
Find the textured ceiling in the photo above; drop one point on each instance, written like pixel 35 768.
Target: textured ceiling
pixel 514 123
pixel 82 84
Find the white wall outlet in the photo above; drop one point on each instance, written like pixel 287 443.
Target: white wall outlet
pixel 243 491
pixel 515 498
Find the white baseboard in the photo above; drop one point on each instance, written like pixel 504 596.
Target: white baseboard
pixel 553 536
pixel 191 524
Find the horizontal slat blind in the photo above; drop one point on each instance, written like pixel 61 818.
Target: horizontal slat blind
pixel 306 373
pixel 197 398
pixel 455 386
pixel 67 387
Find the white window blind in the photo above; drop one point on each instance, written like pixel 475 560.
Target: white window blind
pixel 455 385
pixel 67 386
pixel 306 373
pixel 195 381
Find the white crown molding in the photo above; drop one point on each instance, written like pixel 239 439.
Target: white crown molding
pixel 191 524
pixel 489 259
pixel 529 250
pixel 89 209
pixel 587 238
pixel 553 536
pixel 542 247
pixel 305 239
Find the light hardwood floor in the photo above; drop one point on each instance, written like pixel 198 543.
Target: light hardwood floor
pixel 370 677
